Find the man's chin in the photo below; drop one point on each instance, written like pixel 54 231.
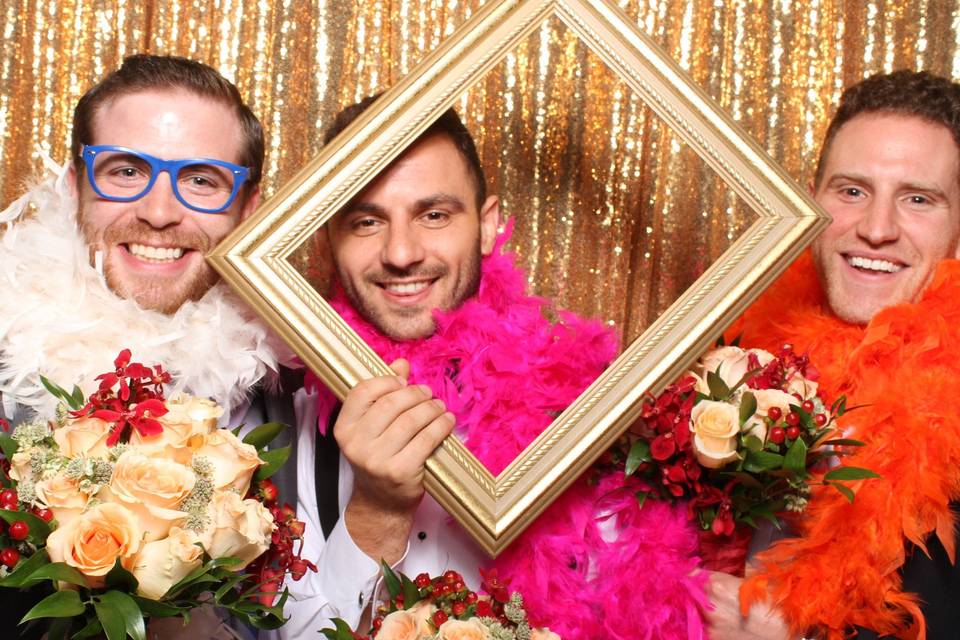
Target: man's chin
pixel 160 295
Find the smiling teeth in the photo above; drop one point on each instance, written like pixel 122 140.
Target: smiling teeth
pixel 406 288
pixel 155 254
pixel 873 265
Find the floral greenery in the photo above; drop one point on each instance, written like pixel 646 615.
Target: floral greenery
pixel 114 609
pixel 446 598
pixel 775 456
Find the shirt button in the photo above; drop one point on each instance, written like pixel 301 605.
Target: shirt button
pixel 422 535
pixel 360 599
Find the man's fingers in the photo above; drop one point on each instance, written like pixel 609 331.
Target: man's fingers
pixel 430 437
pixel 361 399
pixel 398 435
pixel 401 367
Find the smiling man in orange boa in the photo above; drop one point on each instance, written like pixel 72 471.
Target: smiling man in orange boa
pixel 876 304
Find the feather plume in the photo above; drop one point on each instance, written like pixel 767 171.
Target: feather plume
pixel 59 319
pixel 844 568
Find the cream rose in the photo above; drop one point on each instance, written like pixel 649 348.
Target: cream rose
pixel 187 421
pixel 234 461
pixel 152 488
pixel 543 634
pixel 471 629
pixel 715 426
pixel 239 528
pixel 20 466
pixel 730 363
pixel 62 495
pixel 83 436
pixel 402 625
pixel 756 425
pixel 798 384
pixel 163 563
pixel 94 540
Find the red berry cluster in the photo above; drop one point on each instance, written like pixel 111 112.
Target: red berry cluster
pixel 281 558
pixel 17 531
pixel 795 426
pixel 134 404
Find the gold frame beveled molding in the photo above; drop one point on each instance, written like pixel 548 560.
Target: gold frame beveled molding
pixel 253 259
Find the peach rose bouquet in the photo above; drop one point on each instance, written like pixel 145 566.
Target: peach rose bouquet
pixel 444 608
pixel 131 505
pixel 741 437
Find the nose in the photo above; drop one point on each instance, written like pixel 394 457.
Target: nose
pixel 402 247
pixel 879 223
pixel 159 207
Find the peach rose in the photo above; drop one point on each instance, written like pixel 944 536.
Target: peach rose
pixel 94 540
pixel 543 634
pixel 730 363
pixel 471 629
pixel 152 488
pixel 234 462
pixel 798 384
pixel 716 426
pixel 238 527
pixel 766 399
pixel 163 563
pixel 83 436
pixel 62 495
pixel 402 625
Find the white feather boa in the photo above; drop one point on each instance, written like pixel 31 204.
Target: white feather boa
pixel 59 319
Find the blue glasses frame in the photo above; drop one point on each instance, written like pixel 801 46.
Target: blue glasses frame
pixel 157 166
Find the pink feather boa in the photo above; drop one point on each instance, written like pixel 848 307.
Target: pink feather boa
pixel 505 372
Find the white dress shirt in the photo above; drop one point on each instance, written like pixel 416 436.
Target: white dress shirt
pixel 346 577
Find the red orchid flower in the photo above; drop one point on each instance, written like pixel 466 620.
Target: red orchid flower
pixel 139 416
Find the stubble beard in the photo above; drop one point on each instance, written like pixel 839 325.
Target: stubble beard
pixel 412 324
pixel 157 293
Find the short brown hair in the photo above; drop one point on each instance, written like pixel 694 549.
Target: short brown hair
pixel 918 94
pixel 142 72
pixel 448 124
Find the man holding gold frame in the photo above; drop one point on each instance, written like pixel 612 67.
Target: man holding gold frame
pixel 421 237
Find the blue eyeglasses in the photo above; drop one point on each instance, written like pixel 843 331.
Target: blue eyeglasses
pixel 124 175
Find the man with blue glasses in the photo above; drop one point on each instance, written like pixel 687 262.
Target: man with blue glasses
pixel 165 161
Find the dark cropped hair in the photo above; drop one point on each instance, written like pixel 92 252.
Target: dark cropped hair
pixel 909 93
pixel 143 72
pixel 448 124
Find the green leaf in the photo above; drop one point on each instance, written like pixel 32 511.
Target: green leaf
pixel 391 580
pixel 120 578
pixel 18 577
pixel 156 609
pixel 341 632
pixel 844 489
pixel 718 388
pixel 639 453
pixel 849 473
pixel 273 459
pixel 59 392
pixel 753 443
pixel 796 458
pixel 39 530
pixel 126 619
pixel 746 479
pixel 748 407
pixel 61 604
pixel 59 629
pixel 844 442
pixel 78 399
pixel 60 571
pixel 411 594
pixel 92 629
pixel 759 461
pixel 721 342
pixel 264 434
pixel 641 498
pixel 8 445
pixel 736 341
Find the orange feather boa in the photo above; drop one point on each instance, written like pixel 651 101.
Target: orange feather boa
pixel 843 569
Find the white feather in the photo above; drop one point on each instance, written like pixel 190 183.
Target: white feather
pixel 59 319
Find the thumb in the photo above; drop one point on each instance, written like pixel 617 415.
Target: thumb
pixel 401 367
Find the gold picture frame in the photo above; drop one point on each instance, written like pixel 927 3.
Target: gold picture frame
pixel 495 510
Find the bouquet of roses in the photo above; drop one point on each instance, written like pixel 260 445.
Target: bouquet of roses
pixel 443 608
pixel 741 437
pixel 133 505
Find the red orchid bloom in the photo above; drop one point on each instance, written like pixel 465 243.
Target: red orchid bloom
pixel 139 416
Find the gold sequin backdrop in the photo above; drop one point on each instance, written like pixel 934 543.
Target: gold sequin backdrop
pixel 612 215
